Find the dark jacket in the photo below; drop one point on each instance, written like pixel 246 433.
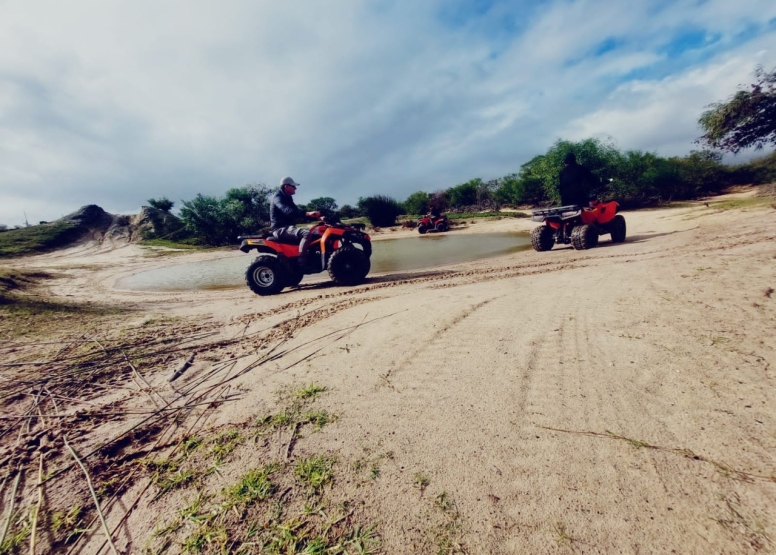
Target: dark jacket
pixel 283 212
pixel 576 185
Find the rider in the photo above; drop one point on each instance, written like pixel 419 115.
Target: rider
pixel 284 214
pixel 576 182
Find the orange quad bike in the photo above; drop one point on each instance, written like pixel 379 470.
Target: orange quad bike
pixel 578 226
pixel 343 250
pixel 428 223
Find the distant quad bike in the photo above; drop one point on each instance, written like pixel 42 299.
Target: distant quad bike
pixel 427 223
pixel 343 250
pixel 578 226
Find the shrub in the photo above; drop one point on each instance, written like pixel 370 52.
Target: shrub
pixel 380 209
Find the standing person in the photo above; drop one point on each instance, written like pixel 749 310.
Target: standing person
pixel 576 182
pixel 284 215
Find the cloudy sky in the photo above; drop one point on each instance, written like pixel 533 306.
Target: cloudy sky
pixel 112 102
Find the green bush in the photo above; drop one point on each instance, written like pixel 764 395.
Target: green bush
pixel 215 221
pixel 417 203
pixel 381 210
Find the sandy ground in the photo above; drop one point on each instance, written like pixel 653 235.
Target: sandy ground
pixel 616 400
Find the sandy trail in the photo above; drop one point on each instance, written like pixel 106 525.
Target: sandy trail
pixel 617 400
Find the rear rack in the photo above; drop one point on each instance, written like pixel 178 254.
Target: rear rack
pixel 556 211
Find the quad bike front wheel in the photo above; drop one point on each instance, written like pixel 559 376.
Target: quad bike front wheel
pixel 618 229
pixel 542 238
pixel 348 266
pixel 442 226
pixel 584 236
pixel 265 275
pixel 422 228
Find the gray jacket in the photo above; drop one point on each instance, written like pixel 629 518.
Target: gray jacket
pixel 283 212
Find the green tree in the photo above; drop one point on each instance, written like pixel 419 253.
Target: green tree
pixel 417 203
pixel 599 157
pixel 747 119
pixel 162 203
pixel 464 194
pixel 700 173
pixel 348 211
pixel 323 204
pixel 219 221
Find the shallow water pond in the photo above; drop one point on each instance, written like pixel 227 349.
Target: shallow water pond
pixel 391 255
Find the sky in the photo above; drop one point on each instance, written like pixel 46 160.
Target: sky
pixel 115 102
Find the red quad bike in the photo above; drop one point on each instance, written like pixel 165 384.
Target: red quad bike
pixel 427 223
pixel 578 226
pixel 343 250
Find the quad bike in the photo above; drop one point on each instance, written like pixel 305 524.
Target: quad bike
pixel 343 250
pixel 578 226
pixel 438 223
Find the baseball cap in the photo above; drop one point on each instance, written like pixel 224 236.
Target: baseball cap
pixel 288 181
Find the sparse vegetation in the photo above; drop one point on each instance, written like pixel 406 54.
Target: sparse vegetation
pixel 314 472
pixel 420 481
pixel 40 238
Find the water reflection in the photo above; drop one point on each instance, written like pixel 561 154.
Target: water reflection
pixel 392 255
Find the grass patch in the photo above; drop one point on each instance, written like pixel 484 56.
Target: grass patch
pixel 167 475
pixel 184 244
pixel 314 472
pixel 256 485
pixel 310 392
pixel 24 315
pixel 40 238
pixel 741 203
pixel 248 517
pixel 293 413
pixel 420 481
pixel 224 443
pixel 318 418
pixel 18 280
pixel 488 215
pixel 18 532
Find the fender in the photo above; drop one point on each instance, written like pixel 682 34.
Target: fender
pixel 256 243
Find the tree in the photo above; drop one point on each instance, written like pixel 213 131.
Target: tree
pixel 322 204
pixel 219 221
pixel 162 203
pixel 464 194
pixel 747 119
pixel 348 211
pixel 417 203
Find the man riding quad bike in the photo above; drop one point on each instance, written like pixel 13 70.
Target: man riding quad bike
pixel 343 250
pixel 432 221
pixel 578 226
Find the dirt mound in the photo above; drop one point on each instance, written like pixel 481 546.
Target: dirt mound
pixel 101 228
pixel 153 223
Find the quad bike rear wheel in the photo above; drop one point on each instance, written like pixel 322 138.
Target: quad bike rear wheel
pixel 542 238
pixel 265 275
pixel 584 236
pixel 348 266
pixel 422 228
pixel 618 229
pixel 442 226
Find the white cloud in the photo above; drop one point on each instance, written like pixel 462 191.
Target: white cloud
pixel 114 102
pixel 662 115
